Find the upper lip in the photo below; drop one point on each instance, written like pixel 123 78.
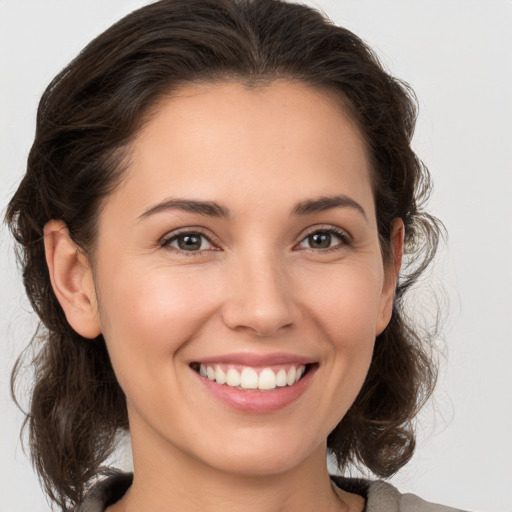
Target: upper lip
pixel 256 360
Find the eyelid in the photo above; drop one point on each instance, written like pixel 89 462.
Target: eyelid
pixel 164 241
pixel 342 234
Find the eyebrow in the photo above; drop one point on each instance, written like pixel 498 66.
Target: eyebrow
pixel 209 208
pixel 326 203
pixel 213 209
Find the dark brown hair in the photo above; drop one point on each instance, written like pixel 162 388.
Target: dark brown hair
pixel 86 120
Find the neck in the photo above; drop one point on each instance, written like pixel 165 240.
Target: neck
pixel 169 480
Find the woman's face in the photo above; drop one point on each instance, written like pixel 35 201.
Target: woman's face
pixel 242 244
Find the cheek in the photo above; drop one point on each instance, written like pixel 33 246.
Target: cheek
pixel 148 317
pixel 345 309
pixel 347 303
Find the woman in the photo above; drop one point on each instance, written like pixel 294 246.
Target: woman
pixel 213 220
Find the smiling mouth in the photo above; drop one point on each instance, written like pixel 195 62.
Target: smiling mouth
pixel 252 378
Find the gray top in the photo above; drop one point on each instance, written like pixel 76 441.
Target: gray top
pixel 380 496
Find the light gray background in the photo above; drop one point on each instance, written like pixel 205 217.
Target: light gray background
pixel 457 54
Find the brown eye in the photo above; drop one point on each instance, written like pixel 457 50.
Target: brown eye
pixel 324 239
pixel 320 240
pixel 189 242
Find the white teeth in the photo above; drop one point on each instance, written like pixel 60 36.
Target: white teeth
pixel 220 375
pixel 267 379
pixel 281 378
pixel 290 376
pixel 232 378
pixel 249 378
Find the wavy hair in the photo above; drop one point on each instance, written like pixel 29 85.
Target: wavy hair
pixel 86 120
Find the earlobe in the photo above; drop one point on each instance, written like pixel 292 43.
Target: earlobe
pixel 71 279
pixel 391 274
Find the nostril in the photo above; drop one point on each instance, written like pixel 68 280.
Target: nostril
pixel 261 306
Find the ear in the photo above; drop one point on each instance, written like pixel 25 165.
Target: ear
pixel 71 279
pixel 391 271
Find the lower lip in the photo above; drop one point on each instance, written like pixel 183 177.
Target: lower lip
pixel 255 401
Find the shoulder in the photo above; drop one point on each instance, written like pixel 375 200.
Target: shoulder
pixel 380 496
pixel 105 492
pixel 383 497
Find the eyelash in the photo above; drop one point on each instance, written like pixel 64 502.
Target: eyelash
pixel 338 233
pixel 343 236
pixel 168 239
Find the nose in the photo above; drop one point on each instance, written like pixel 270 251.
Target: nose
pixel 261 298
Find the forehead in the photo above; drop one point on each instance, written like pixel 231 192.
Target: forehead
pixel 237 143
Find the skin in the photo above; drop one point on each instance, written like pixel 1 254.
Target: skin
pixel 255 286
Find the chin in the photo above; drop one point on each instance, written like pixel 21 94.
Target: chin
pixel 261 464
pixel 262 455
